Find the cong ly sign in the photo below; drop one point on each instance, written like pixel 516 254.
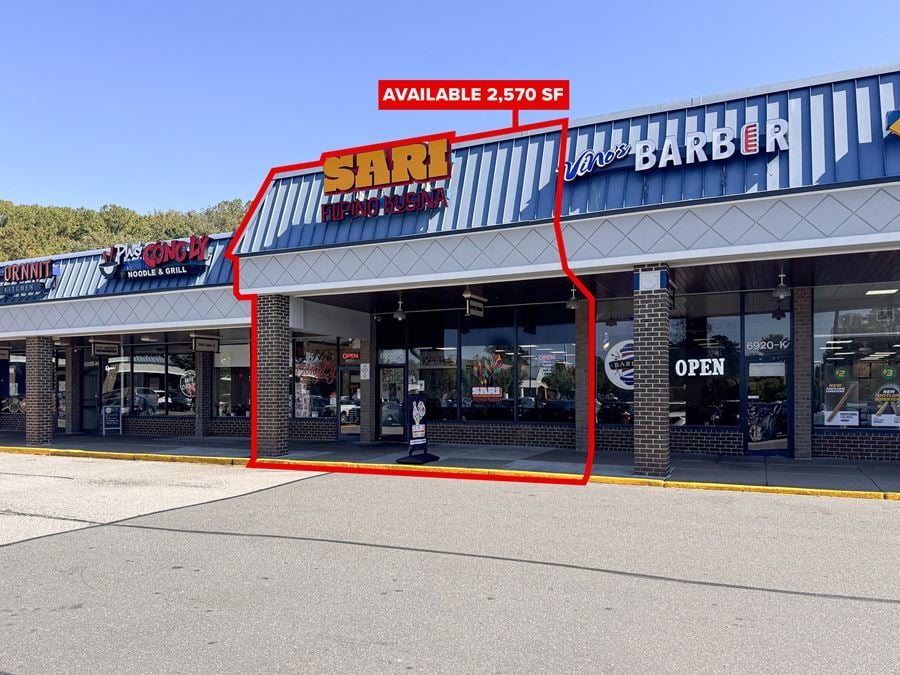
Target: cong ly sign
pixel 699 147
pixel 175 257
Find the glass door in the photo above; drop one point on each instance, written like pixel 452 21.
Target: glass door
pixel 767 426
pixel 349 401
pixel 90 393
pixel 391 387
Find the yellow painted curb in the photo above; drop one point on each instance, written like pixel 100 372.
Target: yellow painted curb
pixel 893 496
pixel 625 480
pixel 776 490
pixel 24 451
pixel 90 453
pixel 320 464
pixel 131 456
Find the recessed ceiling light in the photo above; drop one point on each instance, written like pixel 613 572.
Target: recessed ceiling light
pixel 838 342
pixel 881 291
pixel 844 353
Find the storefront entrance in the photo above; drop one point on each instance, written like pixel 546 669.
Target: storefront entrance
pixel 767 422
pixel 90 393
pixel 349 402
pixel 391 386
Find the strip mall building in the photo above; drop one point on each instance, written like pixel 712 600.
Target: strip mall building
pixel 743 250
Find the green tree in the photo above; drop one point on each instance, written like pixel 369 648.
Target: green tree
pixel 31 231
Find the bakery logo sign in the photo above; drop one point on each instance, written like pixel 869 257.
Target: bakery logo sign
pixel 720 143
pixel 28 278
pixel 381 167
pixel 175 257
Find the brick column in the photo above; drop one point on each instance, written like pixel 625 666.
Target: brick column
pixel 582 396
pixel 73 390
pixel 40 386
pixel 370 402
pixel 651 371
pixel 273 373
pixel 803 344
pixel 203 367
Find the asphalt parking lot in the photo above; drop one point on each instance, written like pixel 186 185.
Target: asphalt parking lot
pixel 285 571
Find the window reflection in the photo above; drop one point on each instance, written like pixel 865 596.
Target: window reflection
pixel 856 356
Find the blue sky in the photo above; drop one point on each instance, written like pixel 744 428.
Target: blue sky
pixel 159 105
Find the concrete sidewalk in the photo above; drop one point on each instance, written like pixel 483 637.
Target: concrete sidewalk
pixel 827 474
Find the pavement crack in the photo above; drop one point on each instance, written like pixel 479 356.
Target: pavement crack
pixel 10 512
pixel 523 561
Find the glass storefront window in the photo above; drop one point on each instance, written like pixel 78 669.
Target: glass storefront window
pixel 615 362
pixel 315 377
pixel 181 381
pixel 12 385
pixel 705 360
pixel 149 378
pixel 488 351
pixel 432 362
pixel 546 358
pixel 856 356
pixel 231 381
pixel 767 325
pixel 112 384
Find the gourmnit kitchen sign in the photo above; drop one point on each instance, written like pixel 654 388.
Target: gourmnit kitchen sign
pixel 720 143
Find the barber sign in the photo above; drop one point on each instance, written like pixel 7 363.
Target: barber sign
pixel 699 147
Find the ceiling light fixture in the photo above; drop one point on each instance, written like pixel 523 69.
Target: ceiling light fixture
pixel 572 303
pixel 781 292
pixel 881 291
pixel 611 321
pixel 399 314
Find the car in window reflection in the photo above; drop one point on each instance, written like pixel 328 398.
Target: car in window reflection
pixel 391 414
pixel 613 411
pixel 349 410
pixel 176 399
pixel 145 401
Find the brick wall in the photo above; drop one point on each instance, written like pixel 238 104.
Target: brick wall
pixel 273 373
pixel 12 422
pixel 614 438
pixel 651 378
pixel 582 396
pixel 203 367
pixel 706 441
pixel 313 429
pixel 368 390
pixel 527 435
pixel 158 425
pixel 803 344
pixel 40 386
pixel 237 427
pixel 859 445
